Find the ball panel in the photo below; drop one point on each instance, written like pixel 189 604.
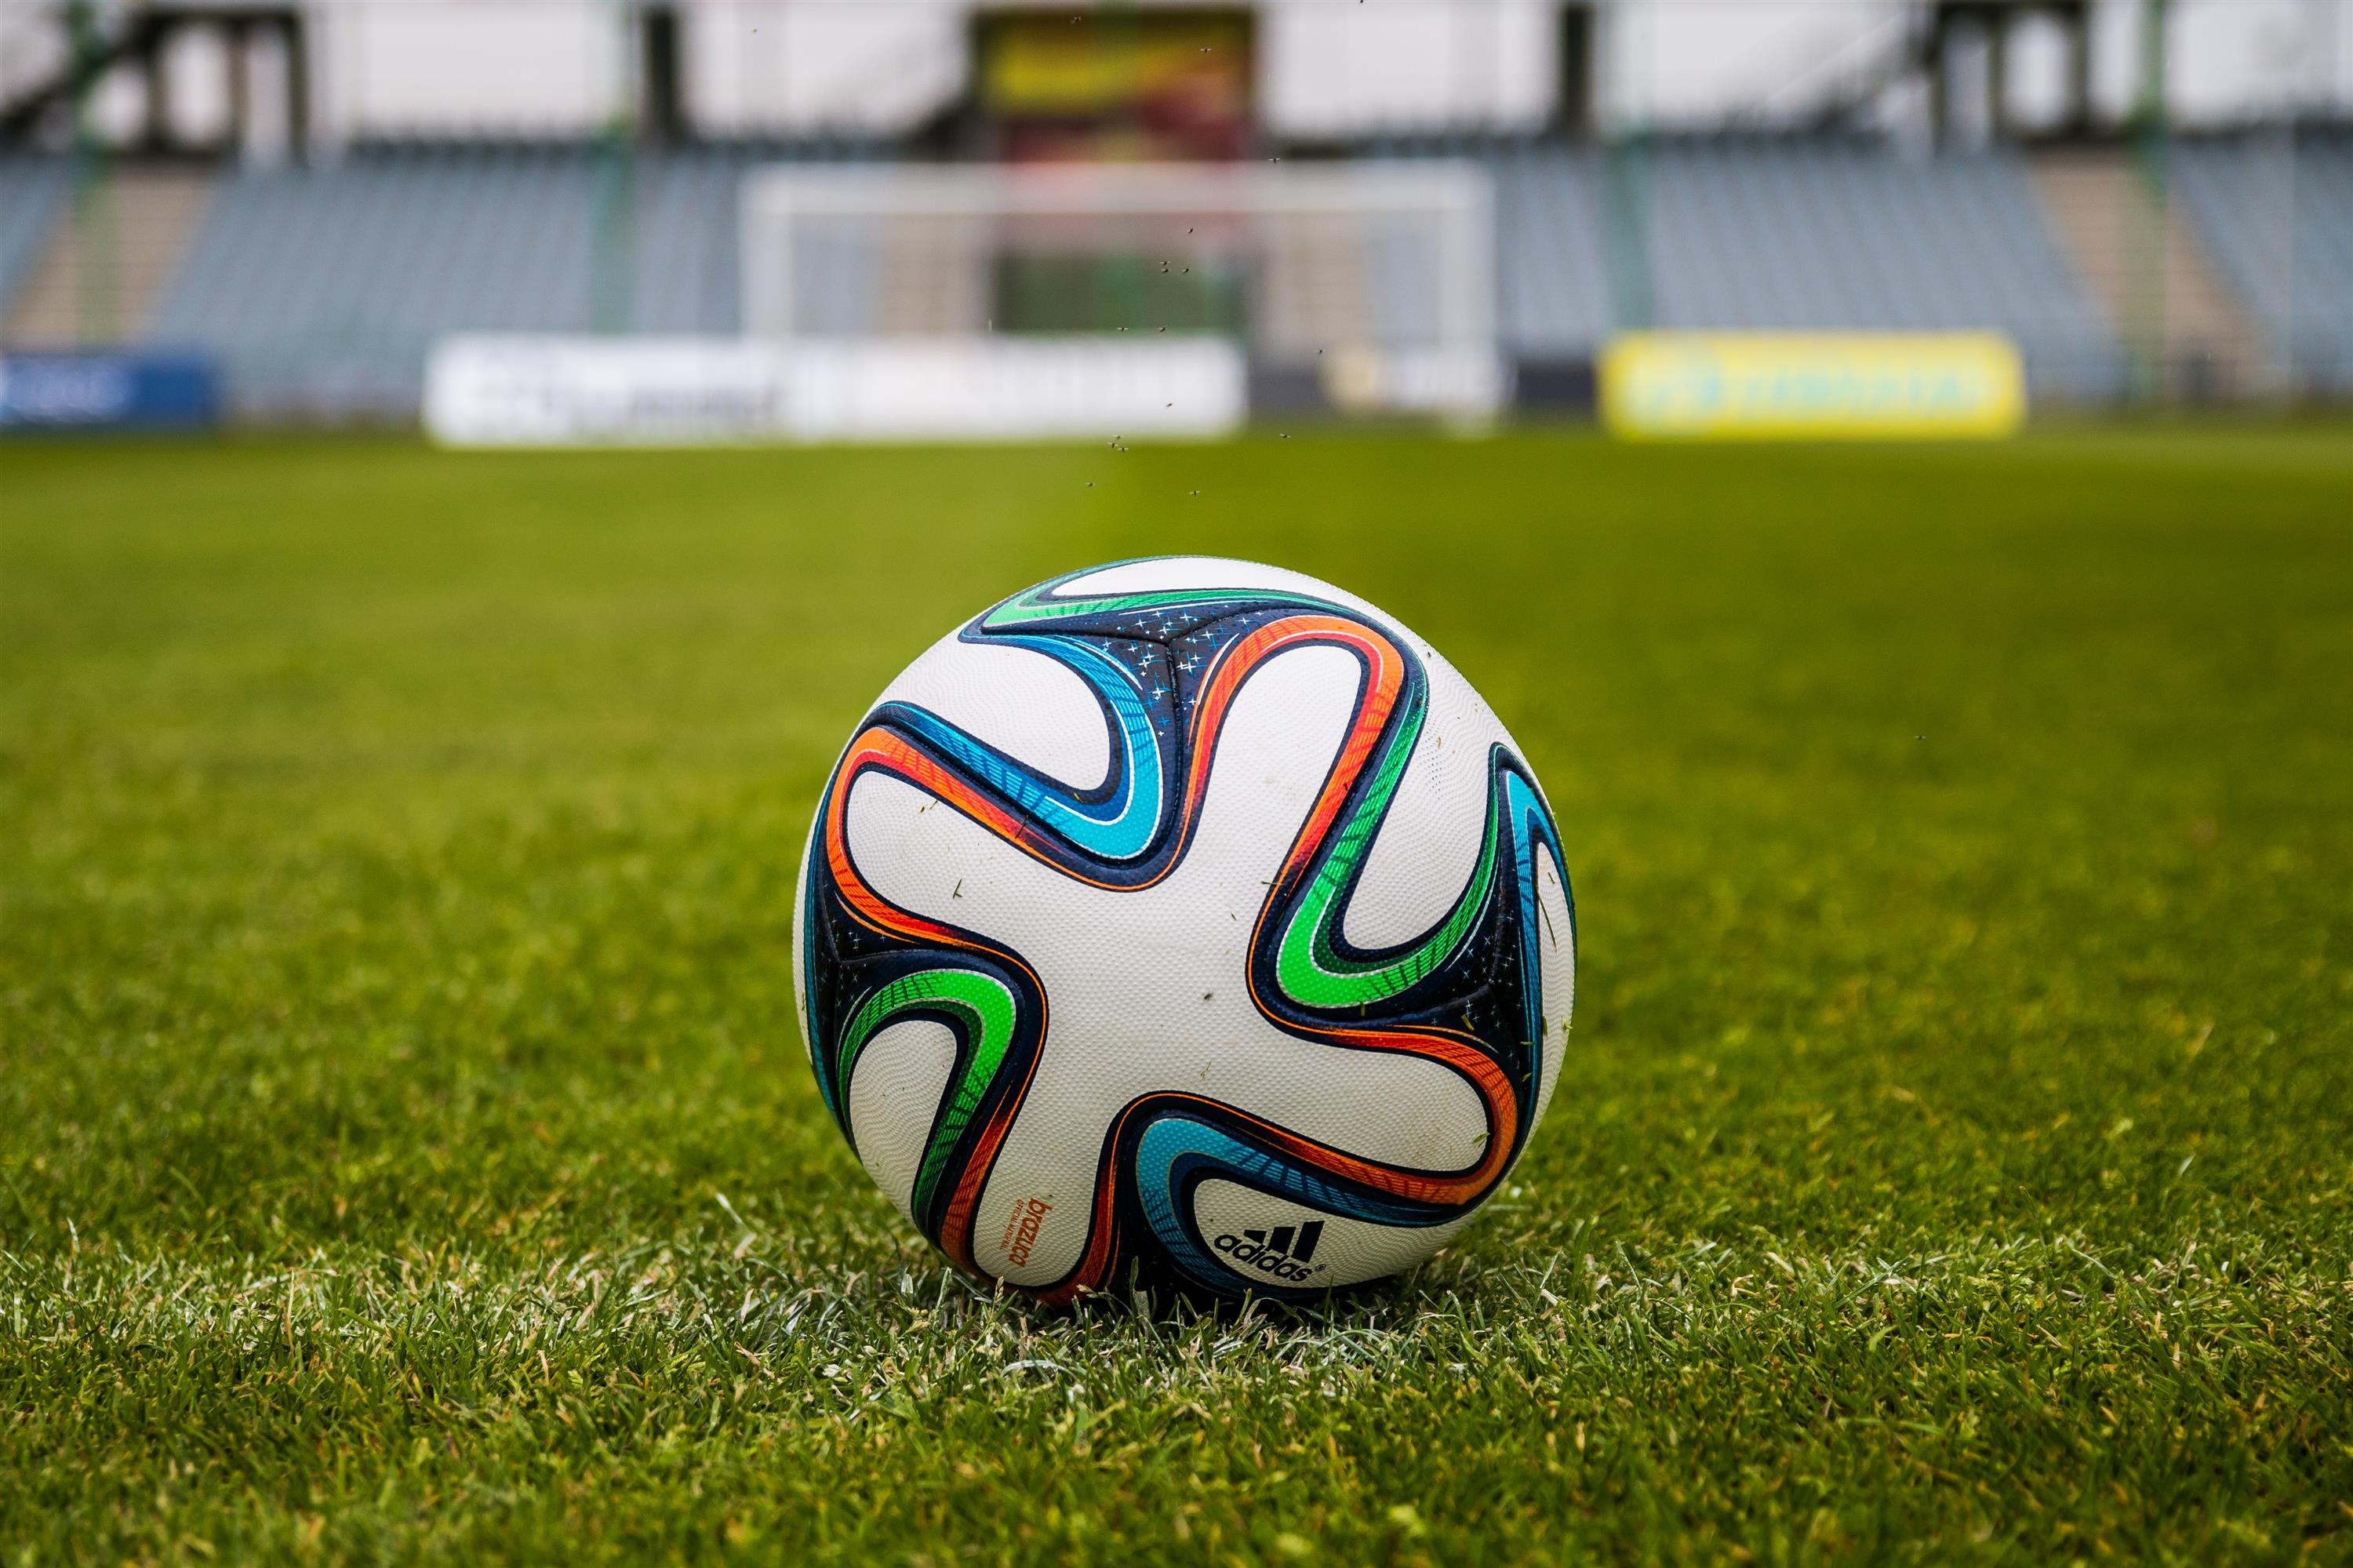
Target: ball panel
pixel 1032 707
pixel 1557 944
pixel 924 855
pixel 1423 855
pixel 894 1096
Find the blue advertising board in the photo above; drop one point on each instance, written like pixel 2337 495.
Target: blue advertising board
pixel 108 391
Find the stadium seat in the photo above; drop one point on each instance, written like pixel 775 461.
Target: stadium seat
pixel 33 193
pixel 2277 216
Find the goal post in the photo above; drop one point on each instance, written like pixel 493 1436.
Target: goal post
pixel 1371 283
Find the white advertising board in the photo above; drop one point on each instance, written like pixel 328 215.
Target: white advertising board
pixel 490 391
pixel 1012 388
pixel 499 391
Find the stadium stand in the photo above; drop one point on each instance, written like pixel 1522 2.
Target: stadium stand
pixel 33 193
pixel 1818 236
pixel 1792 234
pixel 2146 266
pixel 2255 207
pixel 1552 265
pixel 323 288
pixel 146 211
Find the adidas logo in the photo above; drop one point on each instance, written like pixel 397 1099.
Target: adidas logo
pixel 1283 1254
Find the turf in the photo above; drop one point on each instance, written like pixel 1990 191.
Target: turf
pixel 406 1152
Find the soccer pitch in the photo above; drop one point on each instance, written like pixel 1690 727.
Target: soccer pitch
pixel 407 1149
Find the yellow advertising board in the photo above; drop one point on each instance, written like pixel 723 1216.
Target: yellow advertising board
pixel 1114 82
pixel 1748 387
pixel 1036 63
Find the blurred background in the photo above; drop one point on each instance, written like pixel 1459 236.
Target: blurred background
pixel 1447 206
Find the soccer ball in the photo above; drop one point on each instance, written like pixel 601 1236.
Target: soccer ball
pixel 1188 923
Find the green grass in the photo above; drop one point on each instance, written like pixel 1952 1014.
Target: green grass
pixel 406 1150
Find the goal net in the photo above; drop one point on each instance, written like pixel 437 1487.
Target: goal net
pixel 1368 286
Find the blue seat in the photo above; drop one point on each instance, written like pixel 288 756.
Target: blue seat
pixel 34 191
pixel 2277 215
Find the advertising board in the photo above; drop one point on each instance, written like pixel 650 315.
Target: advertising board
pixel 106 390
pixel 574 391
pixel 1812 387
